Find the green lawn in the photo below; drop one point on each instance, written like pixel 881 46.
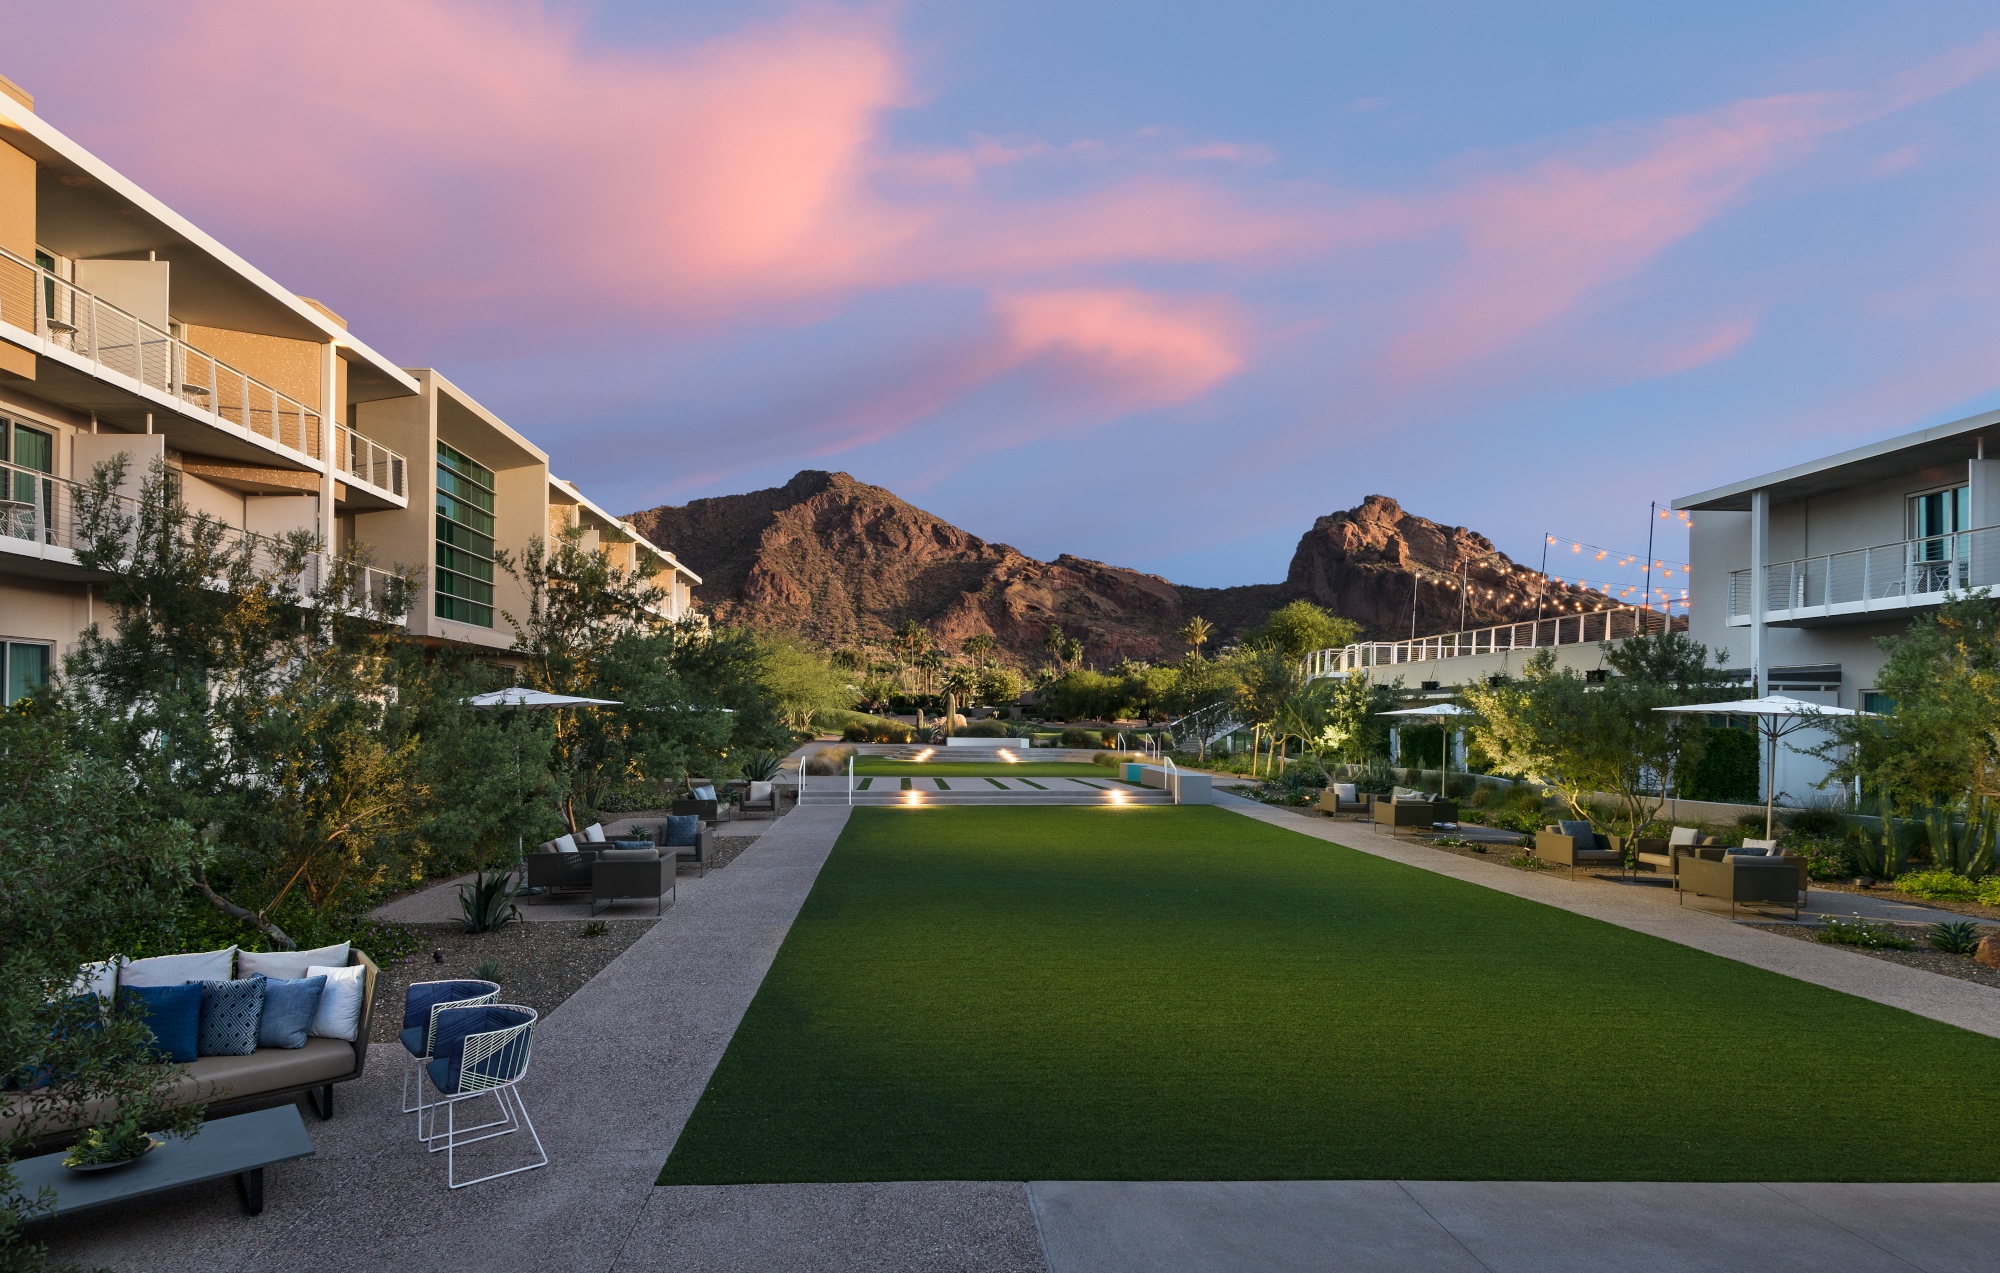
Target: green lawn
pixel 1183 993
pixel 881 767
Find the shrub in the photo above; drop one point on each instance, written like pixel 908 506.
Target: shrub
pixel 1989 891
pixel 1303 776
pixel 854 734
pixel 488 902
pixel 1074 737
pixel 1117 758
pixel 985 729
pixel 1844 932
pixel 1958 937
pixel 1938 884
pixel 829 760
pixel 892 733
pixel 1727 770
pixel 762 766
pixel 1826 859
pixel 1816 823
pixel 489 969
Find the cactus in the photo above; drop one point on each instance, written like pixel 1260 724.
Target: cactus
pixel 1880 849
pixel 1962 847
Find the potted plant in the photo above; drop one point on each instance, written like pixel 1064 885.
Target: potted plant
pixel 111 1145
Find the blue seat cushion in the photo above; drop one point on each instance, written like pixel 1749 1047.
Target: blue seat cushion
pixel 419 999
pixel 412 1039
pixel 290 1004
pixel 454 1026
pixel 683 831
pixel 172 1013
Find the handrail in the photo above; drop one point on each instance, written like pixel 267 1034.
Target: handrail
pixel 1173 778
pixel 1609 624
pixel 1891 575
pixel 65 316
pixel 363 459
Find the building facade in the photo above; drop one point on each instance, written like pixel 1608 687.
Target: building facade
pixel 125 330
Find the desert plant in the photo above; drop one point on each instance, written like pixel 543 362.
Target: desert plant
pixel 1956 937
pixel 986 729
pixel 854 734
pixel 488 902
pixel 1962 846
pixel 489 969
pixel 596 928
pixel 1074 737
pixel 1857 932
pixel 762 766
pixel 1818 821
pixel 1881 849
pixel 829 760
pixel 1938 885
pixel 1303 776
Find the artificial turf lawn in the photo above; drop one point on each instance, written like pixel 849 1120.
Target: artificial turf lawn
pixel 1184 993
pixel 881 768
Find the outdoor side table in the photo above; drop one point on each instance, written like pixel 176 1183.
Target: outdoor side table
pixel 241 1146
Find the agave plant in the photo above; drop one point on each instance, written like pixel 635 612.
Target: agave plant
pixel 1959 937
pixel 1880 849
pixel 488 902
pixel 762 766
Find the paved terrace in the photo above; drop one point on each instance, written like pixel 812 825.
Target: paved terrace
pixel 620 1065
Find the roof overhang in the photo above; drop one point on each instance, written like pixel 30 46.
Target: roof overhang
pixel 1943 444
pixel 103 213
pixel 570 491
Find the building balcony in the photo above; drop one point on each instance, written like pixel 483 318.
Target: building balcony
pixel 375 475
pixel 1612 624
pixel 76 331
pixel 42 531
pixel 1887 580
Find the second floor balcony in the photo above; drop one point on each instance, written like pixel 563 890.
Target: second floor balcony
pixel 78 329
pixel 1883 580
pixel 374 469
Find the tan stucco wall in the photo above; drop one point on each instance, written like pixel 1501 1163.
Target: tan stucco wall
pixel 289 366
pixel 17 235
pixel 39 610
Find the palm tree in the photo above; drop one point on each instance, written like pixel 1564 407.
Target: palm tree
pixel 1073 652
pixel 928 663
pixel 1196 633
pixel 978 647
pixel 909 641
pixel 1052 644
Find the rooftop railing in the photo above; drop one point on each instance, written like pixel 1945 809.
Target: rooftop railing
pixel 1566 629
pixel 35 300
pixel 362 459
pixel 1892 576
pixel 42 510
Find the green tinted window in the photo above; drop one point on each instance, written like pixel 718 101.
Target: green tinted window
pixel 27 668
pixel 34 450
pixel 464 589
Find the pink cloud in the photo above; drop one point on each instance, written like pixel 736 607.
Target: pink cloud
pixel 1130 347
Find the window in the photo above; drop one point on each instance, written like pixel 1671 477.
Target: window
pixel 1879 703
pixel 27 667
pixel 1935 520
pixel 464 539
pixel 25 497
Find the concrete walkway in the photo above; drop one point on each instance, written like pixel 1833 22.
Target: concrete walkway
pixel 1653 910
pixel 617 1070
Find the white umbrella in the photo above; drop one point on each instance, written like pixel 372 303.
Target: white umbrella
pixel 1776 715
pixel 522 696
pixel 1437 712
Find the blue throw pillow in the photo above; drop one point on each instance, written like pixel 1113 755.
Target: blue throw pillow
pixel 289 1007
pixel 704 793
pixel 173 1013
pixel 1579 831
pixel 229 1014
pixel 684 831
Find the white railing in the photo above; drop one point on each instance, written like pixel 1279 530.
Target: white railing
pixel 65 316
pixel 1567 629
pixel 37 508
pixel 1893 576
pixel 362 459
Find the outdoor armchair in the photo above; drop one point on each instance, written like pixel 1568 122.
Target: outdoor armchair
pixel 700 854
pixel 557 872
pixel 481 1051
pixel 1407 811
pixel 761 797
pixel 1341 798
pixel 422 1002
pixel 632 873
pixel 1773 881
pixel 1575 844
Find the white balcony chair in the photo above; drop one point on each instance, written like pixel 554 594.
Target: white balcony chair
pixel 481 1051
pixel 421 1004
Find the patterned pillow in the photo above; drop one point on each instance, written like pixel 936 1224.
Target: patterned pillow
pixel 230 1011
pixel 683 831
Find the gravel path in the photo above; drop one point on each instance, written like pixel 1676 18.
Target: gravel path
pixel 540 964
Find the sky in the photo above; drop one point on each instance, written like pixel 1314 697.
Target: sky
pixel 1154 283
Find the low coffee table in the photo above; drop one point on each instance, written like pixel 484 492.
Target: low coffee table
pixel 241 1146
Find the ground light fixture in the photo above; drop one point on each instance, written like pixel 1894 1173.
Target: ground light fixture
pixel 1114 796
pixel 1007 755
pixel 913 799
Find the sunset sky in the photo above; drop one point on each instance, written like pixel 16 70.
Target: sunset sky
pixel 1155 283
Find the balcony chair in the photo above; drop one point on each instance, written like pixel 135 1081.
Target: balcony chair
pixel 481 1051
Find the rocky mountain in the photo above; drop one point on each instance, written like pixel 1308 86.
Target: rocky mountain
pixel 841 562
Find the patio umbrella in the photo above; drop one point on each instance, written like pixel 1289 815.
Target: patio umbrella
pixel 520 696
pixel 1437 712
pixel 1776 715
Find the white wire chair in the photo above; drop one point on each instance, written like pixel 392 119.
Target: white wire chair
pixel 482 1051
pixel 455 993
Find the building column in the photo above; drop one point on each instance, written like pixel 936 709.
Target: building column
pixel 1982 481
pixel 1760 552
pixel 329 406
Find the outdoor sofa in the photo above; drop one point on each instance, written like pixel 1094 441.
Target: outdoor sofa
pixel 226 1084
pixel 1740 877
pixel 1574 845
pixel 699 854
pixel 1413 811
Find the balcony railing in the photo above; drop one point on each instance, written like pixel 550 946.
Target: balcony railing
pixel 1894 576
pixel 35 300
pixel 36 508
pixel 362 459
pixel 1567 629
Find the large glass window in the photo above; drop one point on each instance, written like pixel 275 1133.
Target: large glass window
pixel 26 498
pixel 1940 551
pixel 464 539
pixel 27 667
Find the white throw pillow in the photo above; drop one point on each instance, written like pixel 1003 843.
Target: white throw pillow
pixel 174 970
pixel 339 1014
pixel 1344 792
pixel 594 833
pixel 565 844
pixel 100 979
pixel 1682 837
pixel 289 964
pixel 760 791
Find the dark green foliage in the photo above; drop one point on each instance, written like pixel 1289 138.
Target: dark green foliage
pixel 1091 738
pixel 1727 770
pixel 119 1141
pixel 488 902
pixel 1816 823
pixel 596 928
pixel 762 766
pixel 1955 937
pixel 989 729
pixel 1826 859
pixel 489 969
pixel 1858 932
pixel 1162 993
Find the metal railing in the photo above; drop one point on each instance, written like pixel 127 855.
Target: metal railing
pixel 362 459
pixel 37 301
pixel 38 508
pixel 1893 576
pixel 1567 629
